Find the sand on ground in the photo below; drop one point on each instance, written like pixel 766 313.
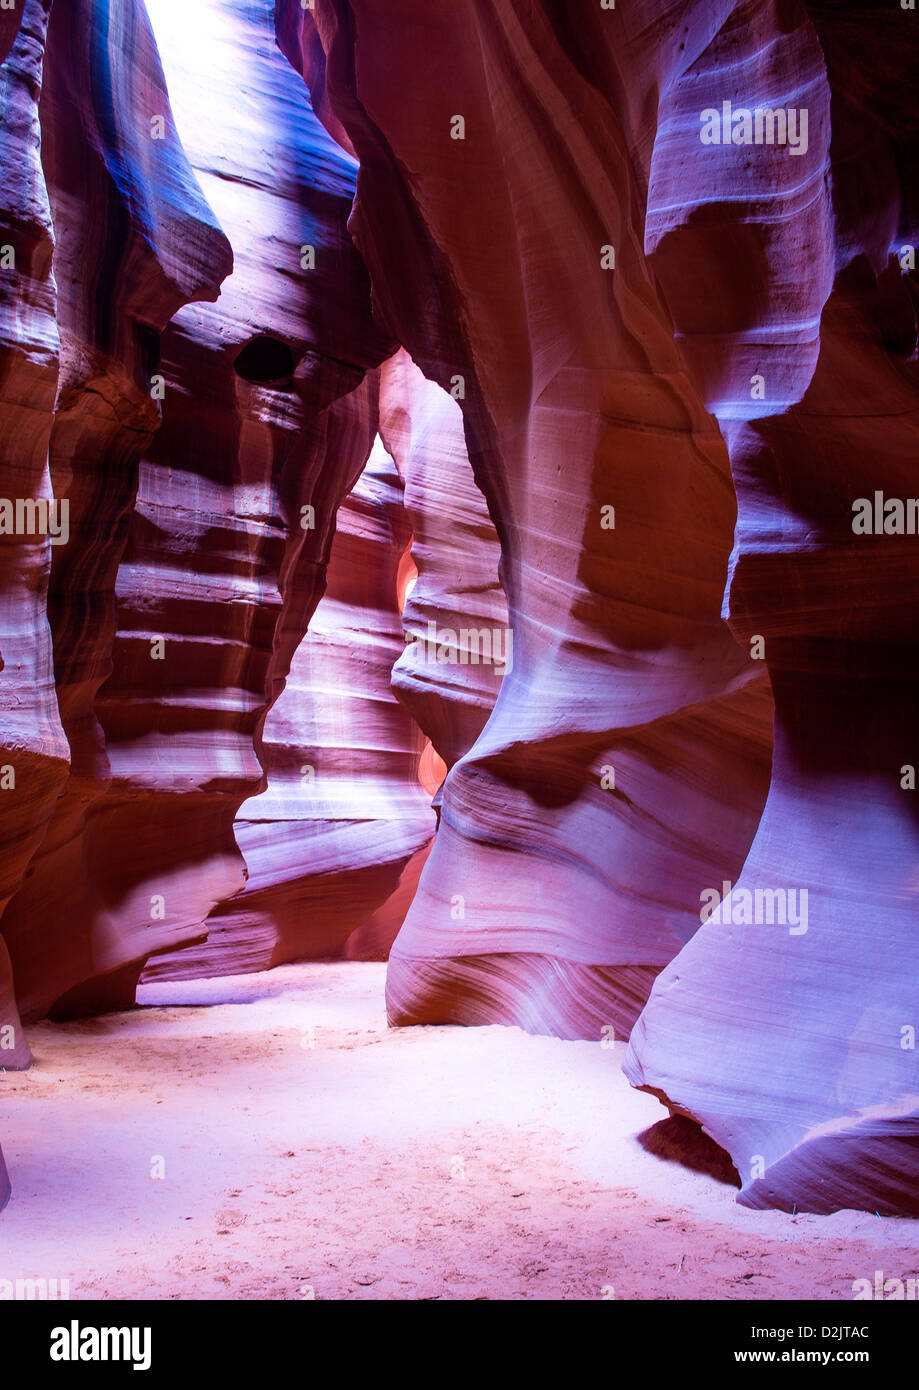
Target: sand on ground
pixel 269 1137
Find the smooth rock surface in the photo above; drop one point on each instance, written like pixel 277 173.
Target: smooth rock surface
pixel 794 1045
pixel 455 616
pixel 460 457
pixel 625 760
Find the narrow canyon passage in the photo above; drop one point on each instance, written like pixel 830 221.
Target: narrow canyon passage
pixel 267 1136
pixel 459 596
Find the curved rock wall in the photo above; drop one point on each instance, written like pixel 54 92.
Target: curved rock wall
pixel 455 616
pixel 566 867
pixel 189 530
pixel 787 1025
pixel 344 815
pixel 322 332
pixel 133 240
pixel 758 287
pixel 33 750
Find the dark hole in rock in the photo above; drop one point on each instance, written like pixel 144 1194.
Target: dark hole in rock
pixel 265 359
pixel 148 342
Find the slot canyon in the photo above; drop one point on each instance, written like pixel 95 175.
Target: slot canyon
pixel 459 649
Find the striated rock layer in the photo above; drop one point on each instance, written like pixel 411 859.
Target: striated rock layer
pixel 626 757
pixel 759 287
pixel 173 626
pixel 33 749
pixel 320 332
pixel 791 1036
pixel 344 817
pixel 335 843
pixel 134 240
pixel 455 615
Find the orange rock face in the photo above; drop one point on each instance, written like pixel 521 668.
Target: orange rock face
pixel 566 866
pixel 33 749
pixel 189 462
pixel 665 256
pixel 343 816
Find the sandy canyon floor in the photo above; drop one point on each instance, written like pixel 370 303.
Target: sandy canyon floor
pixel 308 1151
